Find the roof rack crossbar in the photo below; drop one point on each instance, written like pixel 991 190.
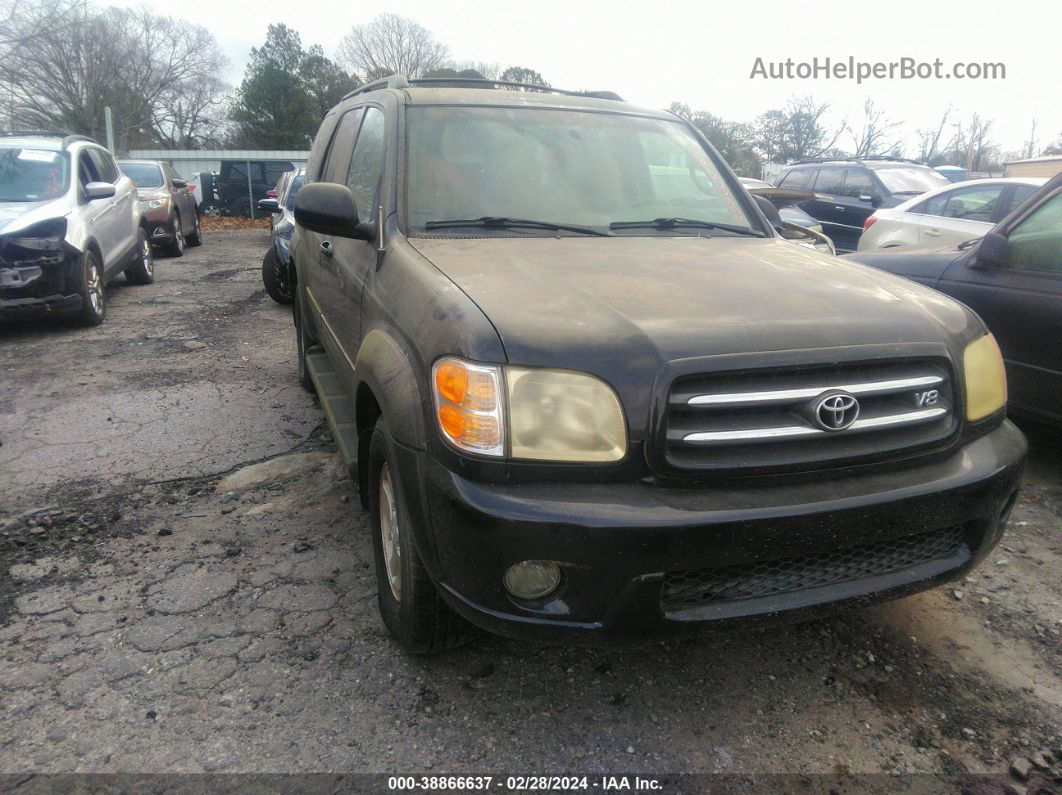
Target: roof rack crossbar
pixel 401 81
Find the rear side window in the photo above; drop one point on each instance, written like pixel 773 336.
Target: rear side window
pixel 857 183
pixel 1020 195
pixel 976 203
pixel 830 180
pixel 363 178
pixel 796 179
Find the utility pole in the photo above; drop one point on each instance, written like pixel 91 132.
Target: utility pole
pixel 108 121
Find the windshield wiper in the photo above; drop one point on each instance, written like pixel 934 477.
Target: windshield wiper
pixel 501 222
pixel 678 223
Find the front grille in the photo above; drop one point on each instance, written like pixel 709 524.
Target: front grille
pixel 765 418
pixel 689 589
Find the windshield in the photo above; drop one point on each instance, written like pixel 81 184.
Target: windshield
pixel 565 167
pixel 289 202
pixel 910 179
pixel 32 175
pixel 144 175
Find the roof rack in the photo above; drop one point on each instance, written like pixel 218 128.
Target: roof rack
pixel 401 81
pixel 68 137
pixel 887 158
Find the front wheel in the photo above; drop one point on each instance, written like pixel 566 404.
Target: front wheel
pixel 273 278
pixel 93 306
pixel 143 270
pixel 410 605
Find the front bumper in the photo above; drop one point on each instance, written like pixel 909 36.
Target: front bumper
pixel 29 290
pixel 623 546
pixel 158 224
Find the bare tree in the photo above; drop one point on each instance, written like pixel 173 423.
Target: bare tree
pixel 979 147
pixel 391 44
pixel 805 133
pixel 24 21
pixel 1029 150
pixel 875 135
pixel 158 75
pixel 931 150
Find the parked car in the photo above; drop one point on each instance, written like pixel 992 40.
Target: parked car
pixel 69 222
pixel 1012 277
pixel 586 398
pixel 784 200
pixel 947 215
pixel 239 193
pixel 847 192
pixel 167 204
pixel 953 173
pixel 275 263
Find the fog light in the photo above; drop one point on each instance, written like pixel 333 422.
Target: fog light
pixel 532 579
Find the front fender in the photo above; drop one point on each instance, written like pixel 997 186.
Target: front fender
pixel 389 370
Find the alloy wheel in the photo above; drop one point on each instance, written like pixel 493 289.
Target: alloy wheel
pixel 389 534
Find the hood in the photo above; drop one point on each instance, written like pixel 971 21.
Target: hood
pixel 19 215
pixel 621 307
pixel 152 193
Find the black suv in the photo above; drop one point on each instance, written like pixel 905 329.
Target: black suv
pixel 588 392
pixel 849 191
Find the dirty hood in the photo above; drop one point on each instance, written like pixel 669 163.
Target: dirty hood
pixel 679 297
pixel 621 307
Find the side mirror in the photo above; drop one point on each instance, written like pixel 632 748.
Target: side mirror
pixel 992 252
pixel 873 198
pixel 179 183
pixel 329 209
pixel 768 209
pixel 269 205
pixel 98 190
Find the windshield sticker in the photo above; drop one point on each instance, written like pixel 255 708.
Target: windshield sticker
pixel 37 155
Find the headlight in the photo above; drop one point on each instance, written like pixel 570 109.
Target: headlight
pixel 151 204
pixel 559 415
pixel 986 378
pixel 550 415
pixel 45 236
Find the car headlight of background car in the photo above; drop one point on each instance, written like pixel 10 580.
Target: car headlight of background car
pixel 986 378
pixel 532 413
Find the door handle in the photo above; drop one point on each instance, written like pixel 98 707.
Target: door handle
pixel 326 248
pixel 932 233
pixel 838 207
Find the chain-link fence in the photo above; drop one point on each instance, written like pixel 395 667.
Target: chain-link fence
pixel 228 182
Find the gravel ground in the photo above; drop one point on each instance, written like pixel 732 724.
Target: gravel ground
pixel 187 587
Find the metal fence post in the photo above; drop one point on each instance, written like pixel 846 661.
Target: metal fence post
pixel 250 192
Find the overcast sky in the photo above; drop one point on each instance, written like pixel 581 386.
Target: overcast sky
pixel 702 52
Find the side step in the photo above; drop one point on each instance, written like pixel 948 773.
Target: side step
pixel 337 404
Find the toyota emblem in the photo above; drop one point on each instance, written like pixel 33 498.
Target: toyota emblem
pixel 835 411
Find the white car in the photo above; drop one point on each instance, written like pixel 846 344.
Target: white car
pixel 948 215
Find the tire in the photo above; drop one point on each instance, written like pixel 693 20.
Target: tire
pixel 93 301
pixel 143 270
pixel 410 605
pixel 302 342
pixel 275 285
pixel 176 247
pixel 196 237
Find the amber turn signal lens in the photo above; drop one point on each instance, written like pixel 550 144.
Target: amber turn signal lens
pixel 451 381
pixel 467 405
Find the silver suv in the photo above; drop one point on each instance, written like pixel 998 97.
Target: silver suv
pixel 69 222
